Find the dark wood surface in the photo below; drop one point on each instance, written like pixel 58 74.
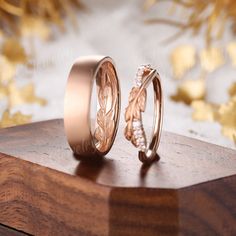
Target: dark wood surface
pixel 6 231
pixel 45 190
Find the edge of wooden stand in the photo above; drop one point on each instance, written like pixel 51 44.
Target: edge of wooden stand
pixel 77 200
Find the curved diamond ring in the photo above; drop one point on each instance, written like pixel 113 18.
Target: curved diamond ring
pixel 134 130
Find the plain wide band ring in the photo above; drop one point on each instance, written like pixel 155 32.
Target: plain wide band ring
pixel 87 72
pixel 134 130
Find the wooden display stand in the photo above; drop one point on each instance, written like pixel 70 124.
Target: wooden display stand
pixel 45 190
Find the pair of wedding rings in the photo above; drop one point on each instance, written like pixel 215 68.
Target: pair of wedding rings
pixel 100 71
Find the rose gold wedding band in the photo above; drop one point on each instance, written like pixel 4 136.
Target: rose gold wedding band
pixel 134 131
pixel 87 72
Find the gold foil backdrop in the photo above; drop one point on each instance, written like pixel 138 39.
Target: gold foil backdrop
pixel 26 19
pixel 211 18
pixel 23 20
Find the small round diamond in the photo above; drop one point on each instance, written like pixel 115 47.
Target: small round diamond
pixel 142 140
pixel 139 77
pixel 136 124
pixel 139 73
pixel 140 132
pixel 136 132
pixel 141 69
pixel 143 148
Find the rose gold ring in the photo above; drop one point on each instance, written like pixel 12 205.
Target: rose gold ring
pixel 134 130
pixel 87 72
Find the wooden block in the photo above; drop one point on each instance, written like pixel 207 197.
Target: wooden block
pixel 6 231
pixel 45 190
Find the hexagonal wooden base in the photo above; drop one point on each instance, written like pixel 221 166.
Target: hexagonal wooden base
pixel 45 190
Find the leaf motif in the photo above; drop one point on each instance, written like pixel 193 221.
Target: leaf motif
pixel 109 114
pixel 133 111
pixel 99 134
pixel 133 94
pixel 104 92
pixel 101 100
pixel 103 78
pixel 128 132
pixel 133 141
pixel 128 113
pixel 136 112
pixel 110 128
pixel 142 100
pixel 100 121
pixel 105 115
pixel 107 91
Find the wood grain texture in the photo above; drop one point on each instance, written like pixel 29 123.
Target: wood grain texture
pixel 45 190
pixel 6 231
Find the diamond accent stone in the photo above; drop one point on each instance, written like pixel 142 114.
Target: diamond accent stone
pixel 137 126
pixel 139 134
pixel 139 75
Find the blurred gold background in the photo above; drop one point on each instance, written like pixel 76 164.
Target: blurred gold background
pixel 23 22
